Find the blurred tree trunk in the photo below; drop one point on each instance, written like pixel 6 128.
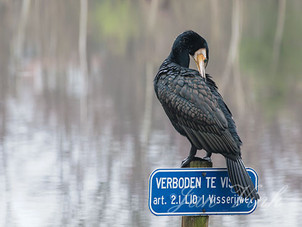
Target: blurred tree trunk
pixel 153 14
pixel 234 44
pixel 83 36
pixel 215 18
pixel 21 32
pixel 83 59
pixel 279 33
pixel 147 120
pixel 232 64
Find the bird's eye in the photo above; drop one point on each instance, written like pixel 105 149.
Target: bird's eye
pixel 205 61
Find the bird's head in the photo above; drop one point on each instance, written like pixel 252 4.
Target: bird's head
pixel 196 46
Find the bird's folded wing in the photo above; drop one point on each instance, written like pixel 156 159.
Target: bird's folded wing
pixel 190 105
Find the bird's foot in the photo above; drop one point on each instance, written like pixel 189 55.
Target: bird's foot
pixel 186 162
pixel 207 158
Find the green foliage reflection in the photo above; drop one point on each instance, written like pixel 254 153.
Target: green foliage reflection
pixel 117 23
pixel 272 83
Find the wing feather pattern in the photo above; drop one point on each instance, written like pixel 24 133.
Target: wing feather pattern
pixel 195 111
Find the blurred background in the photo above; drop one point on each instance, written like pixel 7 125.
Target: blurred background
pixel 81 129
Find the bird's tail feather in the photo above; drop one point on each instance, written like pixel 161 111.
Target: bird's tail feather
pixel 240 179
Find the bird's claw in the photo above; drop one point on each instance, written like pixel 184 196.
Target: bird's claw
pixel 186 162
pixel 207 158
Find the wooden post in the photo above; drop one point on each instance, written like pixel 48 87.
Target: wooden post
pixel 197 221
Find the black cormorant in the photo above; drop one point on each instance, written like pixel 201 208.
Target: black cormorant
pixel 197 111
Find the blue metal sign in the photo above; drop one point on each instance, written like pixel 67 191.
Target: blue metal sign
pixel 200 191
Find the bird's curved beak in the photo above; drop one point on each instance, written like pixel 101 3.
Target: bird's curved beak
pixel 201 61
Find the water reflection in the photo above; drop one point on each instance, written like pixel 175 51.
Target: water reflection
pixel 77 149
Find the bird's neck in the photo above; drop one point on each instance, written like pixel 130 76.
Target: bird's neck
pixel 180 56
